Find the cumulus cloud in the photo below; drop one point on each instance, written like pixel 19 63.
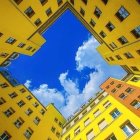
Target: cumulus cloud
pixel 28 83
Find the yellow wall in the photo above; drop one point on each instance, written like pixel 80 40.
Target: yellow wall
pixel 42 130
pixel 113 124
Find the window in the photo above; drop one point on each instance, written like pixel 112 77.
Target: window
pixel 83 113
pixel 111 137
pixel 29 112
pixel 36 120
pixel 134 68
pixel 1 34
pixel 18 123
pixel 5 136
pixel 135 79
pixel 38 22
pixel 28 133
pixel 21 103
pixel 122 40
pixel 128 55
pixel 77 131
pixel 128 128
pixel 2 100
pixel 97 113
pixel 60 124
pixel 29 97
pixel 110 26
pixel 122 13
pixel 53 129
pixel 107 87
pixel 118 57
pixel 129 90
pixel 82 12
pixel 67 138
pixel 56 120
pixel 10 40
pixel 115 113
pixel 119 86
pixel 59 2
pixel 136 104
pixel 136 32
pixel 102 124
pixel 138 52
pixel 113 90
pixel 22 90
pixel 18 1
pixel 103 35
pixel 35 104
pixel 13 95
pixel 4 55
pixel 3 85
pixel 85 1
pixel 21 45
pixel 138 1
pixel 111 58
pixel 97 12
pixel 76 119
pixel 48 12
pixel 58 134
pixel 106 104
pixel 68 127
pixel 87 121
pixel 113 45
pixel 90 135
pixel 29 12
pixel 112 83
pixel 33 50
pixel 123 96
pixel 107 59
pixel 9 112
pixel 43 2
pixel 105 1
pixel 42 111
pixel 29 48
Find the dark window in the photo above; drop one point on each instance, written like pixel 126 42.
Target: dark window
pixel 4 55
pixel 29 97
pixel 42 111
pixel 58 134
pixel 138 52
pixel 111 137
pixel 38 22
pixel 21 103
pixel 113 45
pixel 59 2
pixel 115 113
pixel 122 40
pixel 92 22
pixel 29 12
pixel 28 111
pixel 9 112
pixel 72 2
pixel 122 14
pixel 107 87
pixel 48 12
pixel 22 90
pixel 102 34
pixel 135 79
pixel 110 26
pixel 5 136
pixel 13 95
pixel 4 85
pixel 128 55
pixel 53 129
pixel 135 104
pixel 97 12
pixel 105 1
pixel 134 68
pixel 119 86
pixel 82 12
pixel 129 90
pixel 56 120
pixel 43 2
pixel 18 1
pixel 85 1
pixel 18 123
pixel 113 90
pixel 138 1
pixel 29 48
pixel 111 58
pixel 33 50
pixel 2 100
pixel 136 32
pixel 21 45
pixel 112 83
pixel 118 57
pixel 37 120
pixel 123 96
pixel 36 104
pixel 10 40
pixel 28 133
pixel 1 34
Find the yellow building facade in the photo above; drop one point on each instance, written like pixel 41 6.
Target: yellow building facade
pixel 23 117
pixel 115 24
pixel 102 118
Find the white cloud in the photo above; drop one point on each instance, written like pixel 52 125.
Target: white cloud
pixel 28 83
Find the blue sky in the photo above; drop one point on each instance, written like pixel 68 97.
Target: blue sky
pixel 67 70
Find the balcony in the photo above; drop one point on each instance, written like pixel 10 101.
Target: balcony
pixel 6 63
pixel 14 56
